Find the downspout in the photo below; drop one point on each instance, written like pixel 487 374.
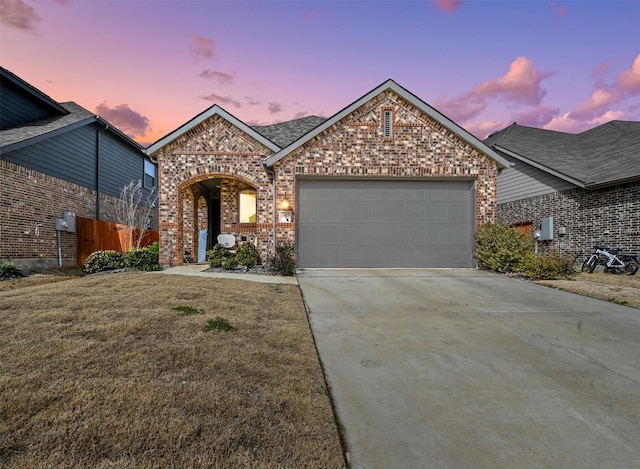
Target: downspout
pixel 106 126
pixel 273 176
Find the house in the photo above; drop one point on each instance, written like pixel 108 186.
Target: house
pixel 388 181
pixel 57 158
pixel 588 184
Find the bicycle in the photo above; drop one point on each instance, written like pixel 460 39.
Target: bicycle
pixel 611 261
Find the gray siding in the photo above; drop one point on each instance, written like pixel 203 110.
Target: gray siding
pixel 385 223
pixel 70 156
pixel 18 107
pixel 523 181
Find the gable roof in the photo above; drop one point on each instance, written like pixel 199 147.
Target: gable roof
pixel 75 116
pixel 31 90
pixel 285 133
pixel 605 155
pixel 410 97
pixel 214 110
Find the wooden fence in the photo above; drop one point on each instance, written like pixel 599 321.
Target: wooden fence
pixel 96 235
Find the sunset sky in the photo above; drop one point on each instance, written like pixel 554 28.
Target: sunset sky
pixel 148 66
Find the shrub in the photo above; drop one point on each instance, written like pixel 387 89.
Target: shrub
pixel 100 261
pixel 284 261
pixel 230 263
pixel 548 266
pixel 8 270
pixel 247 255
pixel 219 324
pixel 154 247
pixel 143 259
pixel 218 255
pixel 501 247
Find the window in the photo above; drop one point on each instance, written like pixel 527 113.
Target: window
pixel 150 173
pixel 248 207
pixel 388 130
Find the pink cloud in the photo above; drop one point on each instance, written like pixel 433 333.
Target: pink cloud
pixel 558 10
pixel 125 119
pixel 537 117
pixel 462 108
pixel 221 77
pixel 300 115
pixel 17 14
pixel 567 123
pixel 217 99
pixel 599 99
pixel 629 80
pixel 251 101
pixel 520 84
pixel 448 6
pixel 312 15
pixel 483 129
pixel 202 47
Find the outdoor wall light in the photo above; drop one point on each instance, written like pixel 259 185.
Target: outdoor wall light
pixel 285 204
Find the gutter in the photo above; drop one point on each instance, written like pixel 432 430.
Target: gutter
pixel 272 173
pixel 106 127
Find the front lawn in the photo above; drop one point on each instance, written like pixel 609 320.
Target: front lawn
pixel 101 371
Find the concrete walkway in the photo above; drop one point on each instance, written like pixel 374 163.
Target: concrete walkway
pixel 465 369
pixel 198 270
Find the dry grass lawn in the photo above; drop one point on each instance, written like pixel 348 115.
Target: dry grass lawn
pixel 620 289
pixel 101 372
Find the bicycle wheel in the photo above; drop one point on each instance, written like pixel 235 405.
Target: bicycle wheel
pixel 631 267
pixel 590 264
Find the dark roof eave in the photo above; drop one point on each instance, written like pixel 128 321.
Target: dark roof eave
pixel 614 182
pixel 16 80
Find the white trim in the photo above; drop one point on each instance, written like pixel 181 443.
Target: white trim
pixel 203 116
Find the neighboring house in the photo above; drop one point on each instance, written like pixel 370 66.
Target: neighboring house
pixel 57 158
pixel 589 183
pixel 386 182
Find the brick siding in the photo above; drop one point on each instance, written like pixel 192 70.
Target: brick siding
pixel 29 198
pixel 585 215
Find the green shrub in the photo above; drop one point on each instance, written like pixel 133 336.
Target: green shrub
pixel 100 261
pixel 501 247
pixel 219 324
pixel 143 259
pixel 218 255
pixel 548 266
pixel 230 263
pixel 284 262
pixel 154 247
pixel 8 270
pixel 247 255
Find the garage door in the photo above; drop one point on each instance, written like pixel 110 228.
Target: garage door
pixel 385 223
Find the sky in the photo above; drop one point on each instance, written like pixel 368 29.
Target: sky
pixel 149 66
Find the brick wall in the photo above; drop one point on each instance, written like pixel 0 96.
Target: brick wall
pixel 29 199
pixel 585 215
pixel 354 147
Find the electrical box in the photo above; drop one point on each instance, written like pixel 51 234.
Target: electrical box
pixel 546 229
pixel 61 224
pixel 70 218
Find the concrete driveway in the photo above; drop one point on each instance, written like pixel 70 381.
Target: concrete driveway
pixel 466 369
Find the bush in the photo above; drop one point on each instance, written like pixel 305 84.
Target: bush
pixel 247 255
pixel 502 248
pixel 154 247
pixel 143 259
pixel 547 266
pixel 218 255
pixel 100 261
pixel 284 262
pixel 230 264
pixel 8 270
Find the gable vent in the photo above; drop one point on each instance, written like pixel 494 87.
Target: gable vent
pixel 388 129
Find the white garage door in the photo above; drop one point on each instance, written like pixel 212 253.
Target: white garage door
pixel 385 223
